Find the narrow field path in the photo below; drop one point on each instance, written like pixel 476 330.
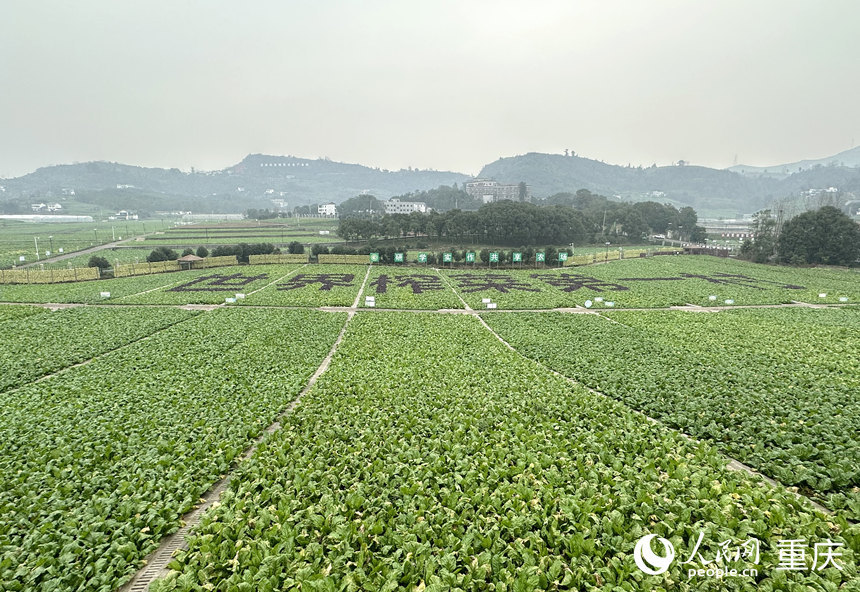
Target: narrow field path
pixel 156 562
pixel 731 463
pixel 101 355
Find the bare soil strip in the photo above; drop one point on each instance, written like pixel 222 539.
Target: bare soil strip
pixel 361 290
pixel 456 293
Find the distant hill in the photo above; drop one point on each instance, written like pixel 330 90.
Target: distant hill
pixel 711 192
pixel 251 183
pixel 258 179
pixel 848 158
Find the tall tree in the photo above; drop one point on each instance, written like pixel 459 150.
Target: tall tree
pixel 825 236
pixel 361 206
pixel 761 247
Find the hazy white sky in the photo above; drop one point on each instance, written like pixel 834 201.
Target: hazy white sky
pixel 450 85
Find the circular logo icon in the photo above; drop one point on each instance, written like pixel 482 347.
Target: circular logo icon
pixel 648 561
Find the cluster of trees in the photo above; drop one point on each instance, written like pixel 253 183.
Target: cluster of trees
pixel 564 218
pixel 824 236
pixel 445 198
pixel 162 254
pixel 244 250
pixel 168 254
pixel 98 261
pixel 386 254
pixel 264 214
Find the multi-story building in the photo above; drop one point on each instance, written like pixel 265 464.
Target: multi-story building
pixel 395 206
pixel 489 191
pixel 327 209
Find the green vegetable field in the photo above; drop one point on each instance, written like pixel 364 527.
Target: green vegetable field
pixel 441 445
pixel 42 343
pixel 99 462
pixel 429 456
pixel 776 389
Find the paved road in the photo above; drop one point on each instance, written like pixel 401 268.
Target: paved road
pixel 64 256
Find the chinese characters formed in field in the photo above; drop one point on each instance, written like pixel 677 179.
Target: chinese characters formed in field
pixel 475 282
pixel 727 279
pixel 571 282
pixel 418 282
pixel 218 283
pixel 327 281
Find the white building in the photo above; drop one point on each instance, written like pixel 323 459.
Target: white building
pixel 489 191
pixel 395 206
pixel 327 209
pixel 123 215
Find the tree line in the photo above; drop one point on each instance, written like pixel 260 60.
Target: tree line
pixel 580 218
pixel 825 236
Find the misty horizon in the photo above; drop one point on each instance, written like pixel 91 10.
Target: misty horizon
pixel 417 167
pixel 445 86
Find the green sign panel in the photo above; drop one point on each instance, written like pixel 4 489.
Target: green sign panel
pixel 470 257
pixel 447 257
pixel 540 257
pixel 422 257
pixel 562 256
pixel 374 257
pixel 398 257
pixel 494 257
pixel 517 257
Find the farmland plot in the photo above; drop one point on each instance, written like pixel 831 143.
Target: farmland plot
pixel 314 285
pixel 213 286
pixel 775 388
pixel 44 343
pixel 99 462
pixel 90 292
pixel 654 282
pixel 409 288
pixel 13 312
pixel 431 457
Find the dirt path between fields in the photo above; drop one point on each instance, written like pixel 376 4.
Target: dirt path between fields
pixel 155 564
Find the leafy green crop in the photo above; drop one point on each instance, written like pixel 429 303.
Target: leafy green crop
pixel 100 462
pixel 314 285
pixel 655 282
pixel 213 286
pixel 431 457
pixel 409 288
pixel 775 388
pixel 13 313
pixel 44 343
pixel 90 292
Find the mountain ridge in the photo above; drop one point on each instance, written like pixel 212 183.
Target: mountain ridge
pixel 259 178
pixel 848 158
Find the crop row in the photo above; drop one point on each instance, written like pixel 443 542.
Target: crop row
pixel 409 289
pixel 314 285
pixel 655 282
pixel 44 343
pixel 648 283
pixel 213 286
pixel 100 462
pixel 14 312
pixel 776 388
pixel 90 292
pixel 431 457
